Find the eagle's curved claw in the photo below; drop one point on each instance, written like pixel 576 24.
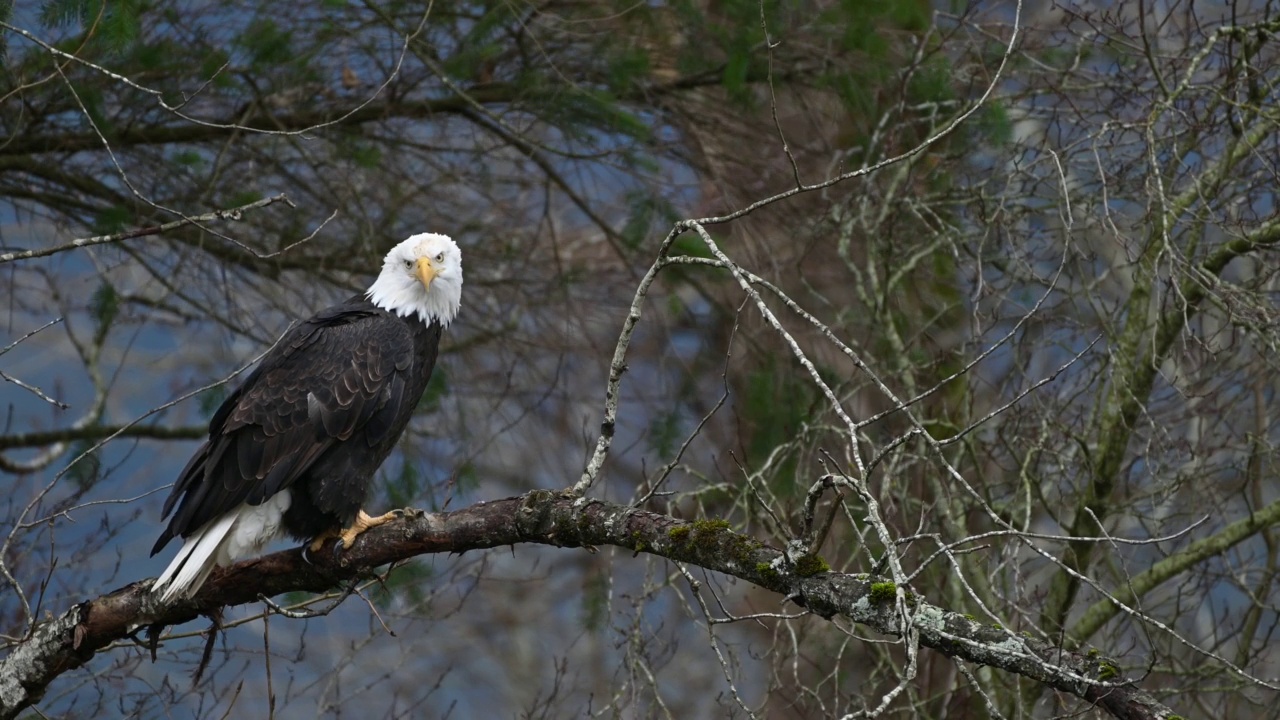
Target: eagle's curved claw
pixel 363 522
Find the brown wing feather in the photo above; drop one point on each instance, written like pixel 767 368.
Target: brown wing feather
pixel 324 381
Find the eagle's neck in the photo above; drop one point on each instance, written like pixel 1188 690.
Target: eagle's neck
pixel 405 297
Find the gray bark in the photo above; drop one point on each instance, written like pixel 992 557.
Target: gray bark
pixel 71 639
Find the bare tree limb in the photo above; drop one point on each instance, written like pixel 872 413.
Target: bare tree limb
pixel 230 214
pixel 40 438
pixel 544 517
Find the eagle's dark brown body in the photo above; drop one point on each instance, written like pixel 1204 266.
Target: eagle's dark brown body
pixel 317 417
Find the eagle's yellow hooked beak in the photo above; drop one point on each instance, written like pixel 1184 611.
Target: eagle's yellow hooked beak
pixel 426 272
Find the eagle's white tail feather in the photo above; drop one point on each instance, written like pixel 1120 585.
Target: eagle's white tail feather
pixel 221 541
pixel 195 560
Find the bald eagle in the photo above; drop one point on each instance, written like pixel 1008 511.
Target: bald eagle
pixel 294 448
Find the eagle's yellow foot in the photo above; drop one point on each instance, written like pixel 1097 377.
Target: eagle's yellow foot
pixel 364 522
pixel 323 537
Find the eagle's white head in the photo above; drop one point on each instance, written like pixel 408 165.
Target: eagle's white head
pixel 421 275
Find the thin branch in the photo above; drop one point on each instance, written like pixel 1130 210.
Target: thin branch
pixel 40 438
pixel 33 390
pixel 618 366
pixel 870 169
pixel 235 213
pixel 175 109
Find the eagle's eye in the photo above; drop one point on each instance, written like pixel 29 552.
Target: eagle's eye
pixel 440 258
pixel 408 264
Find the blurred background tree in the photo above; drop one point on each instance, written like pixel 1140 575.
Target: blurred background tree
pixel 1058 324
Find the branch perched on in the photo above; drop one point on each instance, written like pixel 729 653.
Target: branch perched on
pixel 544 517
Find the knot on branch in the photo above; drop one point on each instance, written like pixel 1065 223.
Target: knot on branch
pixel 533 517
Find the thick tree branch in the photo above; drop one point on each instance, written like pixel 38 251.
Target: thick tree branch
pixel 70 640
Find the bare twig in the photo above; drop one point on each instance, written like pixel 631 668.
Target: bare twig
pixel 217 215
